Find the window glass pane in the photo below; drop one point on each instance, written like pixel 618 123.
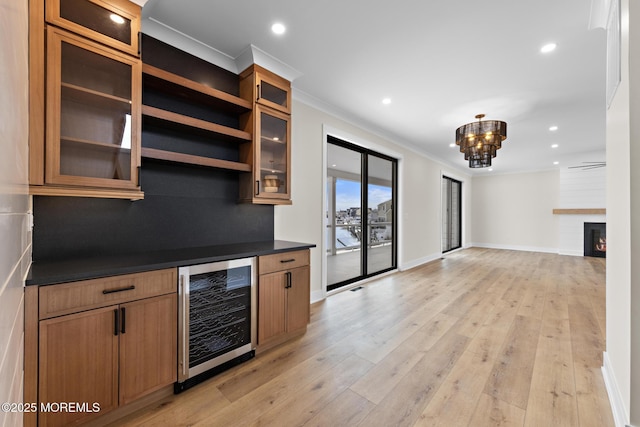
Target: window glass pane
pixel 380 214
pixel 344 225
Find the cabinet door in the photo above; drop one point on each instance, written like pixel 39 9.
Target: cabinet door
pixel 273 91
pixel 78 363
pixel 112 22
pixel 273 154
pixel 93 110
pixel 271 306
pixel 298 299
pixel 148 346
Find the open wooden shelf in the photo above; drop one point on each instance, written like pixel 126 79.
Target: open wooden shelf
pixel 178 85
pixel 176 119
pixel 153 153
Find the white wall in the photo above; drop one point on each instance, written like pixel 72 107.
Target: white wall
pixel 419 191
pixel 634 158
pixel 15 237
pixel 617 358
pixel 515 211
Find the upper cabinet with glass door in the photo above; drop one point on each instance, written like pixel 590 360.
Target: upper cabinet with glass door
pixel 270 150
pixel 93 110
pixel 266 88
pixel 115 23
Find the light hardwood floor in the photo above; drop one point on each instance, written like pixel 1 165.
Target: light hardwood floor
pixel 481 338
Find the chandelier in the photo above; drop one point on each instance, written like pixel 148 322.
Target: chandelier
pixel 480 140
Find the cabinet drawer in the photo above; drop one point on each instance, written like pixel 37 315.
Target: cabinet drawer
pixel 282 261
pixel 57 300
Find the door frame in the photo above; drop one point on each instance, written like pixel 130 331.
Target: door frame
pixel 463 221
pixel 327 131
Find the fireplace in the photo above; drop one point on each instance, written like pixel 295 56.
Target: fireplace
pixel 595 239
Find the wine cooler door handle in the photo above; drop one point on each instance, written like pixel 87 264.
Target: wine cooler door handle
pixel 184 295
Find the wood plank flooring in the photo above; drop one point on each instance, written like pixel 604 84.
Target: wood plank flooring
pixel 480 338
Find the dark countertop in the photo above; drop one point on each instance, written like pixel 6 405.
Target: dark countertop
pixel 61 271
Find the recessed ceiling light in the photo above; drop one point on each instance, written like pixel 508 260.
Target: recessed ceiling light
pixel 333 166
pixel 116 18
pixel 554 146
pixel 386 101
pixel 550 47
pixel 278 28
pixel 553 128
pixel 556 163
pixel 453 144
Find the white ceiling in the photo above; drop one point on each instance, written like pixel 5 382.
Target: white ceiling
pixel 441 63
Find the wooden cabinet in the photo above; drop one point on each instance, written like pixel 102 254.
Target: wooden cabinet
pixel 92 114
pixel 115 23
pixel 270 124
pixel 91 144
pixel 111 355
pixel 78 363
pixel 283 297
pixel 266 88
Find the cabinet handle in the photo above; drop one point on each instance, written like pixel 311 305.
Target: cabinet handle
pixel 288 276
pixel 258 92
pixel 257 187
pixel 116 322
pixel 287 260
pixel 123 316
pixel 112 291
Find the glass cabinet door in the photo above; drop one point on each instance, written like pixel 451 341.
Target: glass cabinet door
pixel 92 114
pixel 273 91
pixel 113 22
pixel 272 154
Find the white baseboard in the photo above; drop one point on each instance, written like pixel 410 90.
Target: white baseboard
pixel 615 398
pixel 571 253
pixel 317 296
pixel 416 262
pixel 515 248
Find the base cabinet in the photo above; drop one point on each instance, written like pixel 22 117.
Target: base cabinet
pixel 78 363
pixel 102 358
pixel 283 297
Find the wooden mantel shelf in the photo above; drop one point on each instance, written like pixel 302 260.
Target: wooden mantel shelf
pixel 588 211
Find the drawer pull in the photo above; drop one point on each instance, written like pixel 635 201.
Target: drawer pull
pixel 112 291
pixel 287 260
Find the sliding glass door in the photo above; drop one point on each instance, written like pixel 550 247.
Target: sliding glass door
pixel 451 214
pixel 361 226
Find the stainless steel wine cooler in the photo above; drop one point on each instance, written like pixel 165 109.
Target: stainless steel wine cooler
pixel 217 317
